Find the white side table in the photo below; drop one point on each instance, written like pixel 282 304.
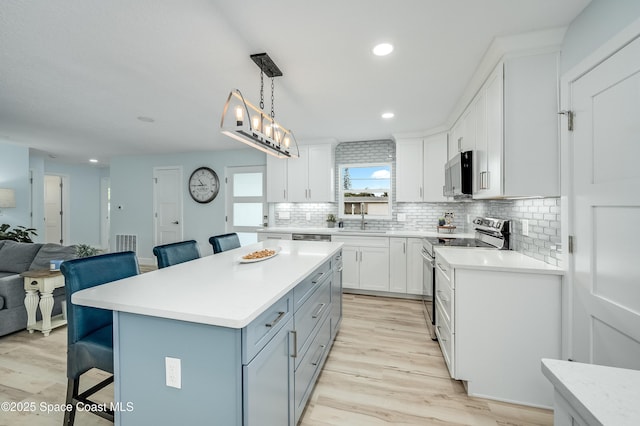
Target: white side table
pixel 43 282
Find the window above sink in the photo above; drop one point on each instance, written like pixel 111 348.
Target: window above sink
pixel 365 188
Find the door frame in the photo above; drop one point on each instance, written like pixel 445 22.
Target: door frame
pixel 601 54
pixel 155 200
pixel 66 203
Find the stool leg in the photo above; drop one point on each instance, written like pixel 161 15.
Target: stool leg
pixel 72 392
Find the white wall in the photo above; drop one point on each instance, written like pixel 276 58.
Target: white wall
pixel 14 174
pixel 597 23
pixel 132 188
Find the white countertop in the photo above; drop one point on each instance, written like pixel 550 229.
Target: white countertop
pixel 406 233
pixel 216 289
pixel 497 260
pixel 601 395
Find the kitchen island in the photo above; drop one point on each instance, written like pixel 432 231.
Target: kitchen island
pixel 219 341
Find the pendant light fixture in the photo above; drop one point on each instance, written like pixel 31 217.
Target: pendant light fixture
pixel 243 121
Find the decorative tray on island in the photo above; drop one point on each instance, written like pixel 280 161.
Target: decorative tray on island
pixel 259 255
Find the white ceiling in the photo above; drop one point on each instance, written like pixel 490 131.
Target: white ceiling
pixel 75 75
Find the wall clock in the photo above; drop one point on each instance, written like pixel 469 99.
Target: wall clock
pixel 204 185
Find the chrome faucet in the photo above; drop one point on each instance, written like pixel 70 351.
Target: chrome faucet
pixel 362 222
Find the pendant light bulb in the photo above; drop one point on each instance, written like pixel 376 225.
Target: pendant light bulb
pixel 239 115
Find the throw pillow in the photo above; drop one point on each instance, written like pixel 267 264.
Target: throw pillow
pixel 50 252
pixel 16 257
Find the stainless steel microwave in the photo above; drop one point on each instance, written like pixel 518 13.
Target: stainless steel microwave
pixel 458 176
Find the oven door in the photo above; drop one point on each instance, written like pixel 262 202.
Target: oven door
pixel 428 286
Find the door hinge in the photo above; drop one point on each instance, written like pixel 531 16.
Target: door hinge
pixel 570 115
pixel 571 244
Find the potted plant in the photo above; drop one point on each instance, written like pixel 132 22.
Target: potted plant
pixel 85 250
pixel 19 233
pixel 331 221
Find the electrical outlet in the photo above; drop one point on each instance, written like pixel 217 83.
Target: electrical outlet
pixel 402 217
pixel 525 227
pixel 173 372
pixel 308 217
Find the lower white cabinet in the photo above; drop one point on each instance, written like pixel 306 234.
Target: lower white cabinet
pixel 405 265
pixel 494 327
pixel 366 262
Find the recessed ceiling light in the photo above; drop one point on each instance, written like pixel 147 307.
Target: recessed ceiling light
pixel 388 115
pixel 146 119
pixel 382 49
pixel 93 160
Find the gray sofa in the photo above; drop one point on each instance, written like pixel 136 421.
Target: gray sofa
pixel 16 258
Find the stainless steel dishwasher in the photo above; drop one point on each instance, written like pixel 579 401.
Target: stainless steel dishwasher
pixel 311 237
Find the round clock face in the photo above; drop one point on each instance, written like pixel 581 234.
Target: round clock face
pixel 203 185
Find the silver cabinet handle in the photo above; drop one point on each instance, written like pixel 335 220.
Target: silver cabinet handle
pixel 404 247
pixel 275 321
pixel 320 309
pixel 295 343
pixel 309 193
pixel 420 192
pixel 175 222
pixel 317 361
pixel 284 194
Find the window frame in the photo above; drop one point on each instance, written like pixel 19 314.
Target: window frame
pixel 341 190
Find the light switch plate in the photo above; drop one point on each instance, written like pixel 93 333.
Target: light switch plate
pixel 525 227
pixel 402 217
pixel 173 372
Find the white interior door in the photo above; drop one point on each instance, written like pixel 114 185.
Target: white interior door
pixel 246 201
pixel 53 209
pixel 167 191
pixel 606 211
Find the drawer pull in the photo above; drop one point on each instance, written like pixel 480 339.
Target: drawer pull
pixel 275 321
pixel 295 344
pixel 317 278
pixel 320 309
pixel 317 361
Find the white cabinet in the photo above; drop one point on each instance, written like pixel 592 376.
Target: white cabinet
pixel 517 149
pixel 492 336
pixel 365 262
pixel 309 178
pixel 277 191
pixel 405 265
pixel 463 134
pixel 420 168
pixel 262 236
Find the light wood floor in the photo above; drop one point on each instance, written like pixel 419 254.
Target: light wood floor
pixel 383 370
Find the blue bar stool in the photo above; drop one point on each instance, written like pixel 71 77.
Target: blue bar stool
pixel 224 242
pixel 90 330
pixel 174 253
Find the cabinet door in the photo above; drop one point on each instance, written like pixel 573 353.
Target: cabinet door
pixel 350 269
pixel 276 179
pixel 435 158
pixel 268 383
pixel 298 176
pixel 409 170
pixel 480 153
pixel 494 123
pixel 321 174
pixel 398 265
pixel 374 268
pixel 414 266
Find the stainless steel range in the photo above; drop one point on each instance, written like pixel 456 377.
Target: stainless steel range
pixel 490 233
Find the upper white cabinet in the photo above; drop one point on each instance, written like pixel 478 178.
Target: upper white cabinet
pixel 463 134
pixel 309 178
pixel 420 168
pixel 516 129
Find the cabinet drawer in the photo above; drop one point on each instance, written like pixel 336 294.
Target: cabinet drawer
pixel 361 241
pixel 305 289
pixel 445 339
pixel 257 334
pixel 309 368
pixel 309 316
pixel 444 294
